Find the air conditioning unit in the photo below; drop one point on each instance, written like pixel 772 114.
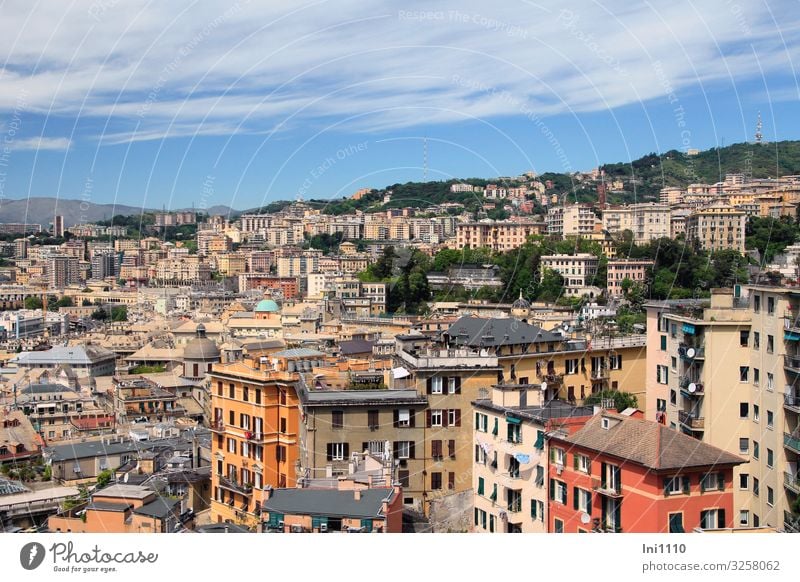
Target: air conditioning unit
pixel 323 528
pixel 297 528
pixel 559 469
pixel 280 525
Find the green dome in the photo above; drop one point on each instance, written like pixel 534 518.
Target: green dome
pixel 267 305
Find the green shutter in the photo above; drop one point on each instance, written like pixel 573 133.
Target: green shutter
pixel 663 343
pixel 686 484
pixel 493 496
pixel 539 440
pixel 575 498
pixel 552 489
pixel 552 455
pixel 533 509
pixel 666 486
pixel 367 524
pixel 476 517
pixel 496 428
pixel 480 485
pixel 575 461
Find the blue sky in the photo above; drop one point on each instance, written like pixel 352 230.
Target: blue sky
pixel 204 103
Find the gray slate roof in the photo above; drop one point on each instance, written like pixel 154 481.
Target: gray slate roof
pixel 159 508
pixel 67 355
pixel 72 451
pixel 328 502
pixel 488 332
pixel 45 389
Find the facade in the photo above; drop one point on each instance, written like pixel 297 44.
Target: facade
pixel 85 361
pixel 621 269
pixel 498 236
pixel 63 271
pixel 578 271
pixel 619 474
pixel 255 425
pixel 717 227
pixel 510 457
pixel 646 222
pixel 571 220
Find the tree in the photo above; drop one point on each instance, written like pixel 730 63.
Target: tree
pixel 622 400
pixel 104 478
pixel 33 302
pixel 119 313
pixel 100 314
pixel 551 286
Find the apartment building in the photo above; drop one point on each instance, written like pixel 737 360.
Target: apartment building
pixel 338 423
pixel 578 272
pixel 255 425
pixel 717 227
pixel 646 221
pixel 62 271
pixel 498 236
pixel 510 457
pixel 620 269
pixel 618 474
pixel 571 220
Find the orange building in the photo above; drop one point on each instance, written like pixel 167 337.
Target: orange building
pixel 624 474
pixel 255 422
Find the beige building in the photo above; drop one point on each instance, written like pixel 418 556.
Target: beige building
pixel 571 220
pixel 510 452
pixel 717 227
pixel 231 264
pixel 647 221
pixel 578 271
pixel 498 236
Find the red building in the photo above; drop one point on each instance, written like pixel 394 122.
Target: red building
pixel 624 474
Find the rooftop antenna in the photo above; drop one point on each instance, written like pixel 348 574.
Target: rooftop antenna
pixel 424 159
pixel 759 136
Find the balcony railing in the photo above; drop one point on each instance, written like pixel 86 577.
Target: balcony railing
pixel 791 522
pixel 792 482
pixel 691 420
pixel 608 489
pixel 791 363
pixel 698 353
pixel 600 374
pixel 217 426
pixel 231 485
pixel 791 321
pixel 791 402
pixel 791 442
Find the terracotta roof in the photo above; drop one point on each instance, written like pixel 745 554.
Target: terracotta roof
pixel 648 443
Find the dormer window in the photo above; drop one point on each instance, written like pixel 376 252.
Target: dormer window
pixel 605 423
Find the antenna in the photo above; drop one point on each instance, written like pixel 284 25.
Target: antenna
pixel 424 159
pixel 759 136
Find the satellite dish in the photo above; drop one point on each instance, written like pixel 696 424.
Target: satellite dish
pixel 585 518
pixel 692 387
pixel 690 352
pixel 543 386
pixel 681 351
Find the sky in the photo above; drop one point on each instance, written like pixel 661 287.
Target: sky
pixel 200 103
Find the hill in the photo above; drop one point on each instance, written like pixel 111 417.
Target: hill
pixel 42 210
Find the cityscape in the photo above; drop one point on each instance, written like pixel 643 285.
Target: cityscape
pixel 354 342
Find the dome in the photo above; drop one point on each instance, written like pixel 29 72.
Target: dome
pixel 201 348
pixel 268 306
pixel 521 303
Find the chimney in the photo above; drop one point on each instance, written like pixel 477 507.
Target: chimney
pixel 267 492
pixel 357 494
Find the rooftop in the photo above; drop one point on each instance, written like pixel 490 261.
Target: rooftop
pixel 69 355
pixel 488 332
pixel 329 502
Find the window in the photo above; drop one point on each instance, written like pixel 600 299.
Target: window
pixel 756 340
pixel 770 344
pixel 756 413
pixel 537 509
pixel 582 463
pixel 436 417
pixel 744 479
pixel 661 405
pixel 558 456
pixel 676 485
pixel 756 376
pixel 514 498
pixel 338 451
pixel 744 372
pixel 404 449
pixel 756 449
pixel 282 426
pixel 436 480
pixel 770 496
pixel 756 487
pixel 756 521
pixel 571 366
pixel 451 449
pixel 231 391
pixel 337 419
pixel 744 338
pixel 481 422
pixel 435 384
pixel 282 394
pixel 231 445
pixel 403 418
pixel 480 454
pixel 244 421
pixel 610 478
pixel 674 363
pixel 258 396
pixel 770 305
pixel 770 381
pixel 615 362
pixel 372 419
pixel 676 523
pixel 558 491
pixel 280 453
pixel 514 433
pixel 403 477
pixel 662 374
pixel 558 526
pixel 712 519
pixel 582 500
pixel 712 482
pixel 756 303
pixel 480 518
pixel 770 419
pixel 744 517
pixel 376 447
pixel 454 417
pixel 770 458
pixel 453 385
pixel 246 394
pixel 744 446
pixel 436 450
pixel 673 397
pixel 663 343
pixel 744 410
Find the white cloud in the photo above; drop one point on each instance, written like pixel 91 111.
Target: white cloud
pixel 186 68
pixel 41 143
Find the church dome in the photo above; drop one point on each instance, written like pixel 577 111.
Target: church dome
pixel 267 306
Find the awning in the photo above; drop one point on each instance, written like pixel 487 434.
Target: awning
pixel 512 420
pixel 404 415
pixel 688 328
pixel 791 336
pixel 400 373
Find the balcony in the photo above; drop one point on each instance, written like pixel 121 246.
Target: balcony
pixel 254 437
pixel 791 323
pixel 553 378
pixel 217 426
pixel 791 402
pixel 600 374
pixel 691 353
pixel 455 358
pixel 791 482
pixel 691 420
pixel 791 522
pixel 791 442
pixel 613 490
pixel 791 363
pixel 231 485
pixel 697 391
